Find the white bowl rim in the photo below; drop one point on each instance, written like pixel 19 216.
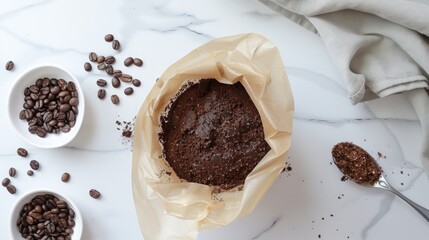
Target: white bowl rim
pixel 13 231
pixel 81 103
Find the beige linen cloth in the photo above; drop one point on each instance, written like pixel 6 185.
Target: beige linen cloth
pixel 380 47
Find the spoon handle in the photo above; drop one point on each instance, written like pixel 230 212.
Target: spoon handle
pixel 423 211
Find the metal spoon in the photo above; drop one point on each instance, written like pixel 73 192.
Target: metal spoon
pixel 383 184
pixel 348 154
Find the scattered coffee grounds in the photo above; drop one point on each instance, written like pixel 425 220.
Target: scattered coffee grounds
pixel 212 134
pixel 356 163
pixel 126 128
pixel 50 106
pixel 22 152
pixel 127 133
pixel 65 177
pixel 94 193
pixel 9 66
pixel 46 217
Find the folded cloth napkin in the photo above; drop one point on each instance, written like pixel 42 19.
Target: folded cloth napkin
pixel 380 47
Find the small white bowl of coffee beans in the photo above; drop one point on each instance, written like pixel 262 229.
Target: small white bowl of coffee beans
pixel 44 214
pixel 46 106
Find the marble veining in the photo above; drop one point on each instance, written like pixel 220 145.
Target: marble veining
pixel 309 201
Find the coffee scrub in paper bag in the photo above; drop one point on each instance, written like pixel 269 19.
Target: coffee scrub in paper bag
pixel 171 208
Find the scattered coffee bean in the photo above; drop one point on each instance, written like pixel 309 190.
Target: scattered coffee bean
pixel 87 66
pixel 128 91
pixel 5 182
pixel 109 37
pixel 22 152
pixel 136 82
pixel 138 62
pixel 117 73
pixel 11 189
pixel 101 66
pixel 116 45
pixel 128 61
pixel 101 82
pixel 126 78
pixel 65 177
pixel 101 93
pixel 30 173
pixel 115 99
pixel 9 65
pixel 34 164
pixel 115 82
pixel 93 57
pixel 12 172
pixel 94 193
pixel 110 60
pixel 100 59
pixel 46 217
pixel 109 69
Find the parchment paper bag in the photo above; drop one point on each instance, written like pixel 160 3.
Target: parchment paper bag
pixel 168 208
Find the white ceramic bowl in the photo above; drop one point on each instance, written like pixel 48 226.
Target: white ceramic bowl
pixel 27 197
pixel 16 101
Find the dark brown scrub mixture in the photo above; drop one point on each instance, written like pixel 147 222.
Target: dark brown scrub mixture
pixel 212 134
pixel 356 163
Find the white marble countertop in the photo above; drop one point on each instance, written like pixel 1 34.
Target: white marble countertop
pixel 308 202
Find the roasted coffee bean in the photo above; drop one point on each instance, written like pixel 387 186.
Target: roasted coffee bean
pixel 55 90
pixel 115 82
pixel 126 78
pixel 33 129
pixel 128 91
pixel 128 61
pixel 22 114
pixel 136 82
pixel 87 66
pixel 109 37
pixel 65 129
pixel 34 164
pixel 101 93
pixel 75 109
pixel 22 152
pixel 65 177
pixel 109 69
pixel 101 82
pixel 93 57
pixel 47 117
pixel 115 99
pixel 5 182
pixel 73 101
pixel 138 62
pixel 11 189
pixel 64 107
pixel 41 132
pixel 100 59
pixel 94 193
pixel 116 45
pixel 34 89
pixel 117 73
pixel 110 60
pixel 9 65
pixel 12 172
pixel 62 84
pixel 30 173
pixel 71 86
pixel 101 66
